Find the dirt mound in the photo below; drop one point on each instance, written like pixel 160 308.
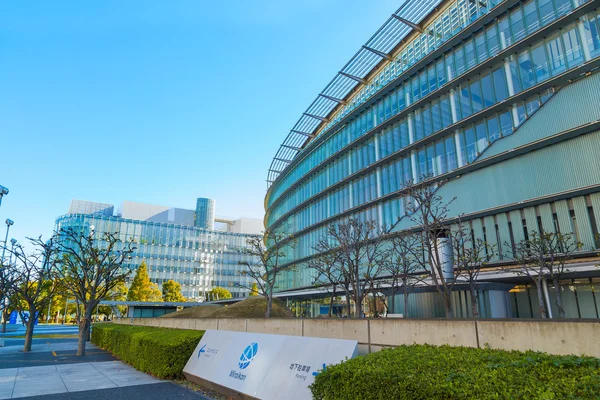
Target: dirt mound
pixel 252 307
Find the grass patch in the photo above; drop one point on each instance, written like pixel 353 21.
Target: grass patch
pixel 162 352
pixel 252 307
pixel 47 336
pixel 445 372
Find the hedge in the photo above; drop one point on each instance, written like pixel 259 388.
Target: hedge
pixel 161 352
pixel 430 372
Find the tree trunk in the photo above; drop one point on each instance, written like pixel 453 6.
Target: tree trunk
pixel 269 302
pixel 347 304
pixel 5 317
pixel 559 303
pixel 358 309
pixel 331 302
pixel 84 331
pixel 405 293
pixel 474 308
pixel 448 303
pixel 541 299
pixel 29 330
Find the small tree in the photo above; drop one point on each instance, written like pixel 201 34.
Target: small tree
pixel 171 291
pixel 327 271
pixel 268 253
pixel 91 269
pixel 8 277
pixel 219 293
pixel 401 266
pixel 544 256
pixel 253 290
pixel 428 211
pixel 141 288
pixel 357 248
pixel 32 285
pixel 469 255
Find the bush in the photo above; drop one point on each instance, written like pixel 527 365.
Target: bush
pixel 161 352
pixel 430 372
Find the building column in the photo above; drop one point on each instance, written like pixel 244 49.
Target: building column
pixel 547 298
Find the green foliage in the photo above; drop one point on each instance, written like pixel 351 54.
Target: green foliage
pixel 218 293
pixel 430 372
pixel 171 291
pixel 161 352
pixel 254 290
pixel 141 288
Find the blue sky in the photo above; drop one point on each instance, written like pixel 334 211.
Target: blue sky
pixel 159 101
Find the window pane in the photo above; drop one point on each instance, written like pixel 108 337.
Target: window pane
pixel 506 123
pixel 476 97
pixel 539 63
pixel 500 87
pixel 446 111
pixel 471 145
pixel 493 129
pixel 459 58
pixel 440 159
pixel 470 54
pixel 517 24
pixel 526 70
pixel 531 16
pixel 488 91
pixel 572 47
pixel 482 138
pixel 482 54
pixel 546 11
pixel 556 54
pixel 451 153
pixel 492 40
pixel 465 103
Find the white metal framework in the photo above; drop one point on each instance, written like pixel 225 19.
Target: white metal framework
pixel 406 19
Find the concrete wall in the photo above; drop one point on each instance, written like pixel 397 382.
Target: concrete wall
pixel 551 336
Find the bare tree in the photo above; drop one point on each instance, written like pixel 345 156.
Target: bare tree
pixel 268 253
pixel 91 268
pixel 8 277
pixel 429 212
pixel 328 273
pixel 469 255
pixel 32 282
pixel 403 270
pixel 544 256
pixel 358 247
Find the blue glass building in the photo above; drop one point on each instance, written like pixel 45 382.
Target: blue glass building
pixel 501 99
pixel 172 246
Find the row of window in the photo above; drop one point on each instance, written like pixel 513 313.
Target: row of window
pixel 477 94
pixel 576 216
pixel 561 51
pixel 513 26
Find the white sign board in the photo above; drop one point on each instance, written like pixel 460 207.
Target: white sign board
pixel 265 366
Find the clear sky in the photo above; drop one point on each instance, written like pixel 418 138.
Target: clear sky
pixel 159 101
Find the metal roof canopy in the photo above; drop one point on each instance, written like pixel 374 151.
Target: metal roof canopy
pixel 378 47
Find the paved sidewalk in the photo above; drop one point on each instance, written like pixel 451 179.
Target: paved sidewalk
pixel 64 378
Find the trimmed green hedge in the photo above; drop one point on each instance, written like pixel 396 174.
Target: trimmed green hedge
pixel 430 372
pixel 161 352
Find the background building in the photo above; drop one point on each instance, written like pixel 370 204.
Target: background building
pixel 171 244
pixel 498 98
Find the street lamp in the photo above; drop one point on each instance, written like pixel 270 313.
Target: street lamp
pixel 13 242
pixel 9 223
pixel 3 192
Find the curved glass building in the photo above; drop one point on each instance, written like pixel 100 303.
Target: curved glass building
pixel 500 99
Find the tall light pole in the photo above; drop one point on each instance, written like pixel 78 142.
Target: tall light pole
pixel 9 223
pixel 13 242
pixel 3 192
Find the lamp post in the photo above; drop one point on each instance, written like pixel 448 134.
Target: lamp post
pixel 3 192
pixel 13 242
pixel 9 223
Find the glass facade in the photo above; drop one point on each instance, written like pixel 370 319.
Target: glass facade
pixel 199 259
pixel 432 112
pixel 205 213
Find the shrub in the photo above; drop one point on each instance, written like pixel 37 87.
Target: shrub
pixel 161 352
pixel 430 372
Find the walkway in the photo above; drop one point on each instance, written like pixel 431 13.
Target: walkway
pixel 53 371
